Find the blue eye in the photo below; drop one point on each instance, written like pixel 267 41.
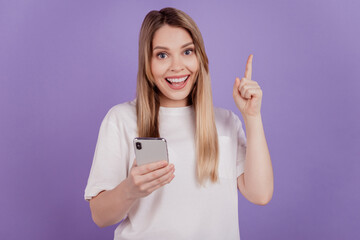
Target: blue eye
pixel 162 55
pixel 188 51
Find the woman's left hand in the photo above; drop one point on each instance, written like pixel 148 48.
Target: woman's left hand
pixel 247 93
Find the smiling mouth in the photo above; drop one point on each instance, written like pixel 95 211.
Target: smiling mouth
pixel 177 80
pixel 177 83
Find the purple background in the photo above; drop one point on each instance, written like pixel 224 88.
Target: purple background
pixel 63 64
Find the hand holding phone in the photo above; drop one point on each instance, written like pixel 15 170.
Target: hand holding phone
pixel 145 179
pixel 154 170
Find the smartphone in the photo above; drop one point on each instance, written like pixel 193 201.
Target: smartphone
pixel 148 150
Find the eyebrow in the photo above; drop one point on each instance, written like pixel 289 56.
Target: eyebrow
pixel 185 45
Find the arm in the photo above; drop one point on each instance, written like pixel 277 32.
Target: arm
pixel 110 207
pixel 257 183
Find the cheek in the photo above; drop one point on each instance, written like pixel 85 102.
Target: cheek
pixel 154 68
pixel 193 64
pixel 158 69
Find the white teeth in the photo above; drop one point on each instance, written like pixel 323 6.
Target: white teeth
pixel 176 80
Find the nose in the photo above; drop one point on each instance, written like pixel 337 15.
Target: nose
pixel 177 64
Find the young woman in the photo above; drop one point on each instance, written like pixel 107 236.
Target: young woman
pixel 206 145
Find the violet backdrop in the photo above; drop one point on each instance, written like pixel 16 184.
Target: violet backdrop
pixel 64 64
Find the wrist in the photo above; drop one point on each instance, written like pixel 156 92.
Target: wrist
pixel 126 190
pixel 252 118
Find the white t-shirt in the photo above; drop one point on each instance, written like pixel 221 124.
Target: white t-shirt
pixel 181 209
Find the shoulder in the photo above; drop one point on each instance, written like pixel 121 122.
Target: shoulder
pixel 122 112
pixel 226 121
pixel 223 115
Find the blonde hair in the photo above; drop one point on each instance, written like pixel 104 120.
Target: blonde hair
pixel 147 94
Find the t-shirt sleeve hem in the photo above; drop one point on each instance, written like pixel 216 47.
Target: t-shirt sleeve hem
pixel 93 192
pixel 239 171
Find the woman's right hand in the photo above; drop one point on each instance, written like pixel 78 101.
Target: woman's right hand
pixel 146 178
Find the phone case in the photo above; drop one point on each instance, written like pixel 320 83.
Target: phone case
pixel 148 150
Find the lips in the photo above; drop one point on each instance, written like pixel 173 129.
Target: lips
pixel 177 82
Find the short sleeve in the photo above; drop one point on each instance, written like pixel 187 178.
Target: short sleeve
pixel 241 146
pixel 109 166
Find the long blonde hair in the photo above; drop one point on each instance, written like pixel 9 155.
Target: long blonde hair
pixel 147 94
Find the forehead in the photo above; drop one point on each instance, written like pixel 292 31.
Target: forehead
pixel 171 37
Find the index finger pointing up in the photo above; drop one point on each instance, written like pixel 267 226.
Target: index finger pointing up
pixel 248 70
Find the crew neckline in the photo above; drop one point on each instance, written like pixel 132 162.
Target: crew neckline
pixel 176 110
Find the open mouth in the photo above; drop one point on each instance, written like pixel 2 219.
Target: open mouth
pixel 177 82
